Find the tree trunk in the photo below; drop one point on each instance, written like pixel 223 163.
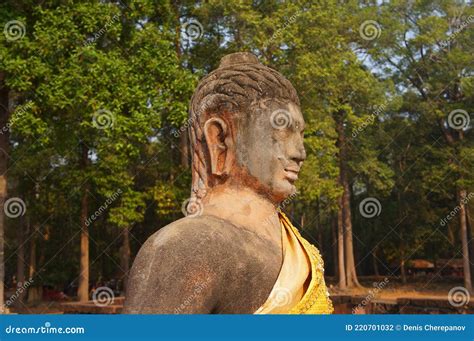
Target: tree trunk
pixel 403 270
pixel 451 140
pixel 401 209
pixel 320 227
pixel 35 291
pixel 345 202
pixel 183 146
pixel 334 243
pixel 403 261
pixel 338 119
pixel 32 265
pixel 470 241
pixel 4 138
pixel 177 31
pixel 464 240
pixel 351 274
pixel 83 288
pixel 41 261
pixel 340 248
pixel 125 257
pixel 374 262
pixel 20 262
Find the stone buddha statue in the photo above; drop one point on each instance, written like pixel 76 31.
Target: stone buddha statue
pixel 235 251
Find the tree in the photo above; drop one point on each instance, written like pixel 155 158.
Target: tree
pixel 427 50
pixel 98 100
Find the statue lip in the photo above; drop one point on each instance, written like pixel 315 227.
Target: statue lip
pixel 292 173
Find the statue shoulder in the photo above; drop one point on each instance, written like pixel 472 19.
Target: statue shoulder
pixel 192 234
pixel 200 265
pixel 190 244
pixel 183 259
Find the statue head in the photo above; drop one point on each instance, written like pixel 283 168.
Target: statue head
pixel 247 130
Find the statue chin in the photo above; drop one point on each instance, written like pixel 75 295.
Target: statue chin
pixel 290 191
pixel 281 191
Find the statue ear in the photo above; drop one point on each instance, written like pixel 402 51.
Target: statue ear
pixel 216 134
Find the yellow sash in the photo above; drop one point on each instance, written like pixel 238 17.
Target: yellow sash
pixel 300 286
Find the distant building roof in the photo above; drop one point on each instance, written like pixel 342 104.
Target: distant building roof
pixel 420 264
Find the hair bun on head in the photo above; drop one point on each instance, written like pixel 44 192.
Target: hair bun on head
pixel 238 58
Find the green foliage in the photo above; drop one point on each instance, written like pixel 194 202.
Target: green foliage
pixel 118 77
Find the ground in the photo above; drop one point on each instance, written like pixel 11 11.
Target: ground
pixel 376 287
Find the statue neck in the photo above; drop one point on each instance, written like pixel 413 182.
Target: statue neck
pixel 243 207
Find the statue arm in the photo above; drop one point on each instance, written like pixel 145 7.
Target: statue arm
pixel 173 274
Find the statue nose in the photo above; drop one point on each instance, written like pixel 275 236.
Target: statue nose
pixel 303 153
pixel 301 156
pixel 301 149
pixel 298 152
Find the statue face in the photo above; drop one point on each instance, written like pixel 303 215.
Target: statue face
pixel 270 147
